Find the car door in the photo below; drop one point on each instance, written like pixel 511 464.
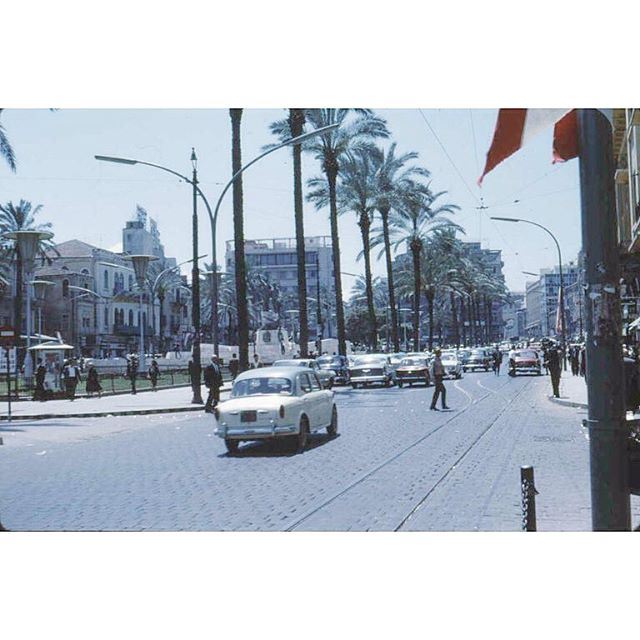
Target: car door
pixel 306 397
pixel 322 402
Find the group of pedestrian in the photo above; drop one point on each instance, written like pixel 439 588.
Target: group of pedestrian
pixel 578 359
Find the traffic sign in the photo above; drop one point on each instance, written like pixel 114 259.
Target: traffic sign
pixel 8 336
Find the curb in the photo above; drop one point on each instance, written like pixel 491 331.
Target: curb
pixel 103 414
pixel 568 403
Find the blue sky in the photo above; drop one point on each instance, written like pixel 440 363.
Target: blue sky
pixel 91 201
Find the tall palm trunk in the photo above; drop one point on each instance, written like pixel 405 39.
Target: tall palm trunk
pixel 454 319
pixel 478 319
pixel 364 223
pixel 462 321
pixel 296 124
pixel 473 330
pixel 331 170
pixel 429 295
pixel 415 252
pixel 238 240
pixel 395 334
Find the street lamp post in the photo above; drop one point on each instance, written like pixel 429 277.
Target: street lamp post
pixel 197 396
pixel 27 244
pixel 39 289
pixel 561 288
pixel 140 264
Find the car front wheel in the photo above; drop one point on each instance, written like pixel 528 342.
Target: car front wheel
pixel 332 429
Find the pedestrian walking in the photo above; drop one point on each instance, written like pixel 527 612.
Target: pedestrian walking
pixel 234 366
pixel 154 374
pixel 71 375
pixel 93 382
pixel 438 376
pixel 574 359
pixel 213 382
pixel 555 370
pixel 583 361
pixel 132 372
pixel 497 361
pixel 41 372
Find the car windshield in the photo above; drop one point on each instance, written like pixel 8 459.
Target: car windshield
pixel 477 352
pixel 329 361
pixel 526 354
pixel 412 362
pixel 449 356
pixel 369 360
pixel 261 387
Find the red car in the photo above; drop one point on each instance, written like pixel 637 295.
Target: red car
pixel 524 361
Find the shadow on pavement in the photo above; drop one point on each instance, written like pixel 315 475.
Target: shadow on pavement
pixel 277 448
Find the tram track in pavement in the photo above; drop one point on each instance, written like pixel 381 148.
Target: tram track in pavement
pixel 385 463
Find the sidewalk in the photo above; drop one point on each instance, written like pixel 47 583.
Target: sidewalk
pixel 573 391
pixel 164 401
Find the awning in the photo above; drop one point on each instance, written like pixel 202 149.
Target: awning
pixel 51 346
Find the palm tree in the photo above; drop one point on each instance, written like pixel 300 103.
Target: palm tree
pixel 6 151
pixel 330 149
pixel 355 192
pixel 293 127
pixel 390 176
pixel 412 222
pixel 21 217
pixel 238 241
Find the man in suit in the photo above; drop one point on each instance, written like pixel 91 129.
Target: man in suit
pixel 213 382
pixel 553 364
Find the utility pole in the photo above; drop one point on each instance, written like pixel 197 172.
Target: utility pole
pixel 195 288
pixel 608 433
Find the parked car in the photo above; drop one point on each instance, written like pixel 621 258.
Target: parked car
pixel 463 356
pixel 326 376
pixel 451 364
pixel 414 369
pixel 339 365
pixel 478 359
pixel 525 361
pixel 273 403
pixel 371 368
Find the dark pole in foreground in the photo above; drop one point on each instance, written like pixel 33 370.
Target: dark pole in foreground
pixel 610 504
pixel 195 290
pixel 528 491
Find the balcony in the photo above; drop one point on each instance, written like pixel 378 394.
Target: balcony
pixel 131 330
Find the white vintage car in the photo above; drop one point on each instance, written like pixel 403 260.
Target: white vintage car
pixel 276 402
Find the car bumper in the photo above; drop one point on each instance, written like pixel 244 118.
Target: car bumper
pixel 476 365
pixel 355 379
pixel 411 377
pixel 531 369
pixel 255 432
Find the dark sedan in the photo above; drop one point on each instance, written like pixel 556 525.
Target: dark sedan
pixel 478 359
pixel 338 364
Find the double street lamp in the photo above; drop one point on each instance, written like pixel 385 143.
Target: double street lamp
pixel 140 264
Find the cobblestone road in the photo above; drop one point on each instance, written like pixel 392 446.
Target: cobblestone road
pixel 394 465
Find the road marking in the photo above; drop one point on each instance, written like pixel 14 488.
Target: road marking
pixel 483 387
pixel 456 384
pixel 41 453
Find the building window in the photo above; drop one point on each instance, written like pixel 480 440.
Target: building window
pixel 130 317
pixel 65 288
pixel 130 282
pixel 105 280
pixel 106 317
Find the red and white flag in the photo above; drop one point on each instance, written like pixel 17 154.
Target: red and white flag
pixel 515 127
pixel 558 326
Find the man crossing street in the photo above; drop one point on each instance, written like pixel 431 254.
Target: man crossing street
pixel 438 376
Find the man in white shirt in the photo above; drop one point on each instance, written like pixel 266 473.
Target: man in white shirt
pixel 438 376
